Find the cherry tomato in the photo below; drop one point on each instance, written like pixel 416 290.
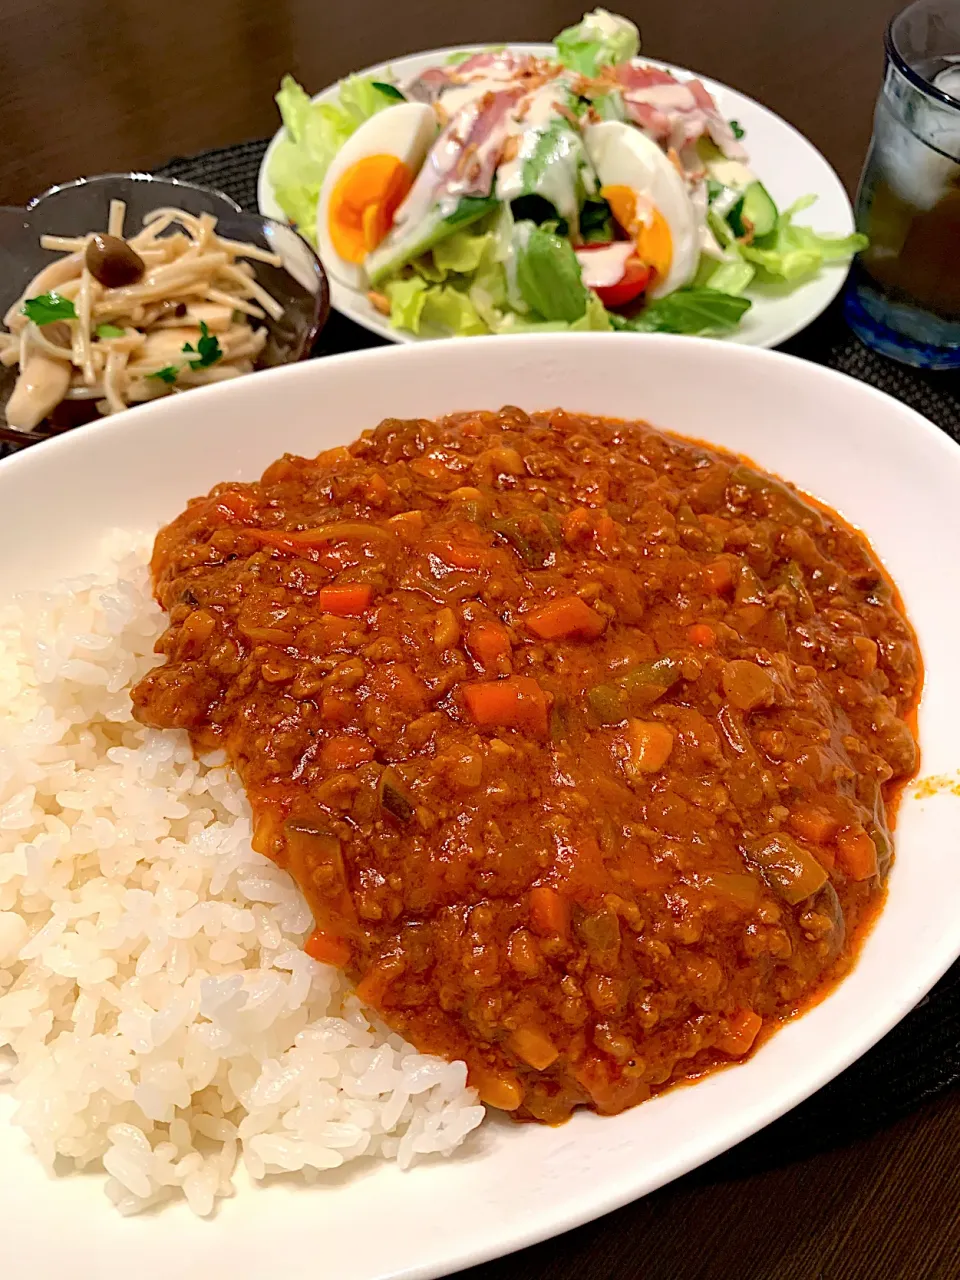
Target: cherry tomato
pixel 635 278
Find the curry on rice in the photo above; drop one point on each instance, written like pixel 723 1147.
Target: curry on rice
pixel 583 741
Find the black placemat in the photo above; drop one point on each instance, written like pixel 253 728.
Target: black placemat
pixel 921 1056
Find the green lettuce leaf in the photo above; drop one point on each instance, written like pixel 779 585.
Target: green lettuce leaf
pixel 791 252
pixel 462 252
pixel 362 97
pixel 315 132
pixel 690 310
pixel 595 318
pixel 422 307
pixel 596 221
pixel 411 245
pixel 407 299
pixel 457 287
pixel 610 106
pixel 450 310
pixel 548 274
pixel 726 277
pixel 600 39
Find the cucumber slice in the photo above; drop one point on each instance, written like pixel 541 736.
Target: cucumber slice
pixel 756 212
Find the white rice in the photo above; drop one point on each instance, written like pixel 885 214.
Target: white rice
pixel 159 1018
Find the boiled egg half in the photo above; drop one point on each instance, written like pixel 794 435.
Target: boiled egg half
pixel 649 200
pixel 367 181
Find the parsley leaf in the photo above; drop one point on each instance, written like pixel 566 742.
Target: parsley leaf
pixel 109 331
pixel 738 129
pixel 167 374
pixel 48 307
pixel 208 348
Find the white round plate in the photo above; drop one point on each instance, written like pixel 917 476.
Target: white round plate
pixel 889 471
pixel 788 165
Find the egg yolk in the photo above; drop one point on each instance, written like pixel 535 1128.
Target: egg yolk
pixel 363 203
pixel 645 225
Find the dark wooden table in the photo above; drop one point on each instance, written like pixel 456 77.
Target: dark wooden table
pixel 87 87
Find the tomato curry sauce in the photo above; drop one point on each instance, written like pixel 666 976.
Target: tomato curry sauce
pixel 580 739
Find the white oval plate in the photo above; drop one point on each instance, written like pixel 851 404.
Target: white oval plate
pixel 788 165
pixel 886 469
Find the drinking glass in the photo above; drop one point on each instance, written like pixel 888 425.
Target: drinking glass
pixel 903 297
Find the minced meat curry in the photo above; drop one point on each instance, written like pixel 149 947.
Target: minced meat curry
pixel 581 739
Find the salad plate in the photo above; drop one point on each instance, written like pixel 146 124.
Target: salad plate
pixel 788 275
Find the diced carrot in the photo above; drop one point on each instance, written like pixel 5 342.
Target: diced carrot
pixel 327 948
pixel 346 751
pixel 576 523
pixel 649 744
pixel 328 459
pixel 857 853
pixel 605 530
pixel 498 1090
pixel 377 489
pixel 812 823
pixel 515 703
pixel 549 912
pixel 335 710
pixel 702 635
pixel 568 616
pixel 583 875
pixel 611 1090
pixel 488 642
pixel 408 524
pixel 643 873
pixel 581 523
pixel 465 555
pixel 347 600
pixel 717 577
pixel 743 1027
pixel 532 1046
pixel 235 505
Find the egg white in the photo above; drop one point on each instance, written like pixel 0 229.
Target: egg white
pixel 406 131
pixel 624 157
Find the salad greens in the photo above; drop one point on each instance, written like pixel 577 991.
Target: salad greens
pixel 548 274
pixel 787 254
pixel 689 310
pixel 600 39
pixel 513 225
pixel 315 132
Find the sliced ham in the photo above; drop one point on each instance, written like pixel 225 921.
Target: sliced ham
pixel 428 86
pixel 463 160
pixel 499 65
pixel 674 113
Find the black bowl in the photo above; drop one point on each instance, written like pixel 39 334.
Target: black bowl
pixel 74 209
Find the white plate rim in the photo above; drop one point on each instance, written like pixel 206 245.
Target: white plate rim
pixel 823 288
pixel 937 958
